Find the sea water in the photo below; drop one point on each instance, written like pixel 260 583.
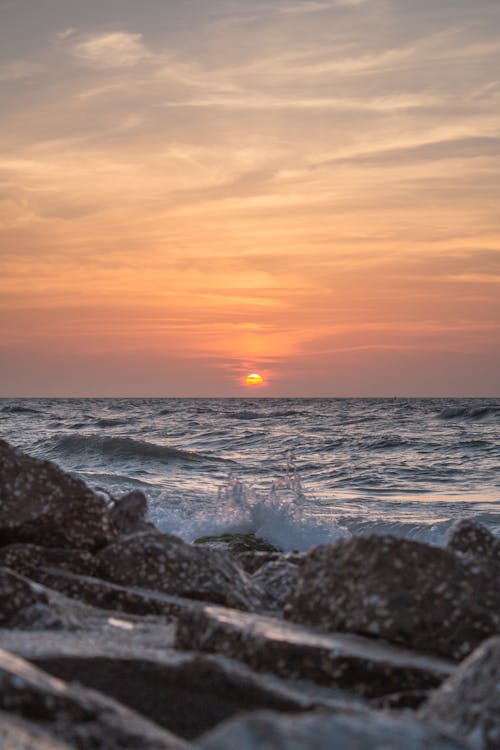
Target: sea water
pixel 297 472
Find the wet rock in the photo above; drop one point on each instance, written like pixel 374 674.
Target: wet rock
pixel 165 563
pixel 316 731
pixel 237 543
pixel 426 598
pixel 16 734
pixel 106 595
pixel 251 561
pixel 474 539
pixel 469 702
pixel 41 504
pixel 128 514
pixel 80 717
pixel 24 604
pixel 276 579
pixel 27 558
pixel 352 663
pixel 184 692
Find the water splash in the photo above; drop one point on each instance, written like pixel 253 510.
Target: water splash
pixel 279 514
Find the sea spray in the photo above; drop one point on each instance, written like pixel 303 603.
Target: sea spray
pixel 278 515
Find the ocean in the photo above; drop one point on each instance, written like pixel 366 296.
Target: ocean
pixel 296 472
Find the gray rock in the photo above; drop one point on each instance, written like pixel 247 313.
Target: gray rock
pixel 315 731
pixel 106 595
pixel 184 692
pixel 252 561
pixel 352 663
pixel 276 580
pixel 16 734
pixel 41 504
pixel 128 513
pixel 426 598
pixel 165 563
pixel 26 605
pixel 474 539
pixel 27 558
pixel 469 702
pixel 82 718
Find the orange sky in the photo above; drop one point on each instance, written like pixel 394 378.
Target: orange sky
pixel 193 191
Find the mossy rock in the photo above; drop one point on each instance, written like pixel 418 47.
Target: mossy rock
pixel 238 542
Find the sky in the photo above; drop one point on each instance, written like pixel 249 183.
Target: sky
pixel 196 190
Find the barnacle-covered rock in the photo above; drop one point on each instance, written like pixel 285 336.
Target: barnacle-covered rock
pixel 41 504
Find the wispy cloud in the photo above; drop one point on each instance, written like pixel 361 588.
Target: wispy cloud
pixel 116 49
pixel 16 69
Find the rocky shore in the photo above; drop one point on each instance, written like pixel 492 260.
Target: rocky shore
pixel 114 635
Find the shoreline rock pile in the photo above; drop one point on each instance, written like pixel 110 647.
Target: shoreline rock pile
pixel 114 635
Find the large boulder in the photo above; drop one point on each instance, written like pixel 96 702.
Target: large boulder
pixel 468 703
pixel 106 595
pixel 474 539
pixel 82 718
pixel 358 665
pixel 186 693
pixel 41 504
pixel 26 605
pixel 165 563
pixel 426 598
pixel 28 558
pixel 318 731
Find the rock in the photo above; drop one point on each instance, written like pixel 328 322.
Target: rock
pixel 237 543
pixel 468 703
pixel 27 558
pixel 426 598
pixel 128 514
pixel 252 561
pixel 276 579
pixel 352 663
pixel 472 538
pixel 24 604
pixel 16 734
pixel 106 595
pixel 80 717
pixel 41 504
pixel 184 692
pixel 162 562
pixel 318 731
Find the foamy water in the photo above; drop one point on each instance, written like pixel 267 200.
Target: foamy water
pixel 298 472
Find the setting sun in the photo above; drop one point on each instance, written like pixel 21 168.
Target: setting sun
pixel 254 379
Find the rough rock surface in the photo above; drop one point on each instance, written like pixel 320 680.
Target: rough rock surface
pixel 474 539
pixel 252 561
pixel 81 717
pixel 27 558
pixel 276 580
pixel 317 731
pixel 26 605
pixel 106 595
pixel 165 563
pixel 41 504
pixel 426 598
pixel 469 702
pixel 17 734
pixel 187 693
pixel 351 663
pixel 128 514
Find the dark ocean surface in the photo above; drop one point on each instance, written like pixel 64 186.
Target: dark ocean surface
pixel 298 472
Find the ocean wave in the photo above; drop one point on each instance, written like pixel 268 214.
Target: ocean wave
pixel 262 414
pixel 18 409
pixel 386 441
pixel 112 422
pixel 469 412
pixel 123 448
